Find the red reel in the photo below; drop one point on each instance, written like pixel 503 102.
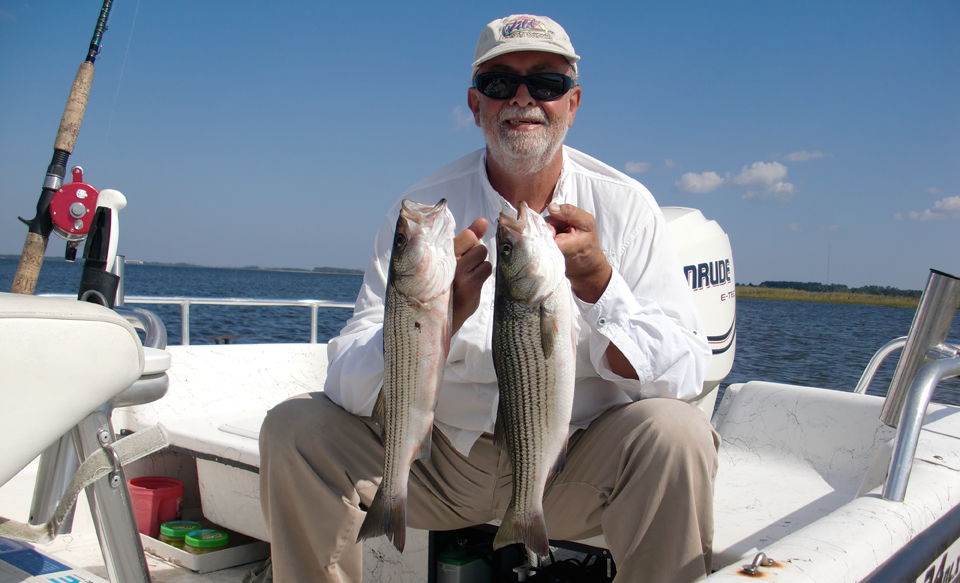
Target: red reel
pixel 72 208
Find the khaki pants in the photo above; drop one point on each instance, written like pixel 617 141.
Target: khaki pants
pixel 642 474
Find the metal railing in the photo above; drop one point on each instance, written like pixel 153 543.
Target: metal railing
pixel 185 302
pixel 925 360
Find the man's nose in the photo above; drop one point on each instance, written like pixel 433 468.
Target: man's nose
pixel 523 97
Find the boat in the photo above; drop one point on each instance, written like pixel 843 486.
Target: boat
pixel 813 485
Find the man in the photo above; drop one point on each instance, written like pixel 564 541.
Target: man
pixel 639 469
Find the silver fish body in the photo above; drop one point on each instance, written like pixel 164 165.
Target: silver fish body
pixel 416 340
pixel 534 353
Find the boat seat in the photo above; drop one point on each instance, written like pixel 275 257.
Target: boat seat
pixel 60 359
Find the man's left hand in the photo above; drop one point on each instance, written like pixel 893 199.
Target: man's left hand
pixel 587 267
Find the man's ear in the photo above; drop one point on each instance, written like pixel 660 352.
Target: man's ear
pixel 574 103
pixel 473 102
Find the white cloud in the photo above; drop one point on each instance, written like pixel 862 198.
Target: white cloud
pixel 699 183
pixel 832 228
pixel 949 204
pixel 761 180
pixel 934 190
pixel 943 209
pixel 461 118
pixel 765 181
pixel 803 156
pixel 668 163
pixel 793 227
pixel 760 174
pixel 636 167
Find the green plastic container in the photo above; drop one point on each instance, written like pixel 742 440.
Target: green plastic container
pixel 174 531
pixel 205 540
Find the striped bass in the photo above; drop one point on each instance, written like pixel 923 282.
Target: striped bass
pixel 534 353
pixel 416 339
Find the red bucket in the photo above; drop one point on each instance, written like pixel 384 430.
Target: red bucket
pixel 155 500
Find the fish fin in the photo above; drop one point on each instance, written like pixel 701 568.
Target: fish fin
pixel 548 331
pixel 531 530
pixel 561 459
pixel 500 428
pixel 447 332
pixel 423 453
pixel 380 412
pixel 386 516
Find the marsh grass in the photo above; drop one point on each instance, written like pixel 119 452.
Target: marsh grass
pixel 770 293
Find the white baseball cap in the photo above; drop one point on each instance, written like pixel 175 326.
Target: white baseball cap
pixel 522 32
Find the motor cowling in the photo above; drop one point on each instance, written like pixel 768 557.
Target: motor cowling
pixel 707 260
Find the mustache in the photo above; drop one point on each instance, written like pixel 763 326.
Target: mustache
pixel 531 113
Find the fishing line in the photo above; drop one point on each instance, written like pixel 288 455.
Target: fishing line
pixel 116 95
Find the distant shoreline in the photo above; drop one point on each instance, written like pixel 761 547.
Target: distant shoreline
pixel 795 295
pixel 321 270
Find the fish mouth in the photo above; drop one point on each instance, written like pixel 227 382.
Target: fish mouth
pixel 513 227
pixel 422 214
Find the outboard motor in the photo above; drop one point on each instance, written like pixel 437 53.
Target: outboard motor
pixel 707 260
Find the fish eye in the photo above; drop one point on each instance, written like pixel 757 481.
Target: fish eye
pixel 400 240
pixel 506 248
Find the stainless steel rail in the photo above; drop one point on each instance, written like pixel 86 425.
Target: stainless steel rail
pixel 911 421
pixel 185 302
pixel 925 360
pixel 868 373
pixel 155 331
pixel 929 329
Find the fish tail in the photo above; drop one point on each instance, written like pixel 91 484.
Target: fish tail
pixel 531 530
pixel 386 516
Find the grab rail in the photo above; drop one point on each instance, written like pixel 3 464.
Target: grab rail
pixel 925 360
pixel 871 371
pixel 186 301
pixel 911 421
pixel 155 331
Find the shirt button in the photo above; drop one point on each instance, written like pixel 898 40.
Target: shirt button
pixel 602 321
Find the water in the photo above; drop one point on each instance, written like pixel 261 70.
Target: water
pixel 251 324
pixel 819 345
pixel 823 345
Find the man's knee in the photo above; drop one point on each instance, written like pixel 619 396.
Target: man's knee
pixel 311 414
pixel 671 428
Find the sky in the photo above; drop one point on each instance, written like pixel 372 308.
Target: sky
pixel 822 136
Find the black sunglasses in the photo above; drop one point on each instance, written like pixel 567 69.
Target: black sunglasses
pixel 542 86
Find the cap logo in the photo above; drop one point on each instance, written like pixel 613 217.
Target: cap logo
pixel 525 26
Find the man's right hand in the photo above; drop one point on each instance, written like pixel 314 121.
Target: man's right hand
pixel 472 270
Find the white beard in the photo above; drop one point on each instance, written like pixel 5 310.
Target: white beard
pixel 526 152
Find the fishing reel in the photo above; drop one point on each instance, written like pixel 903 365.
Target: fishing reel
pixel 80 212
pixel 72 210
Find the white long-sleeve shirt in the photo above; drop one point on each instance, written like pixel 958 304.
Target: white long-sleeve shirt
pixel 647 310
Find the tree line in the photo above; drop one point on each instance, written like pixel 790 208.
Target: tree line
pixel 874 290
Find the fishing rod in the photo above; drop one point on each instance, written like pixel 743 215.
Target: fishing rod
pixel 39 227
